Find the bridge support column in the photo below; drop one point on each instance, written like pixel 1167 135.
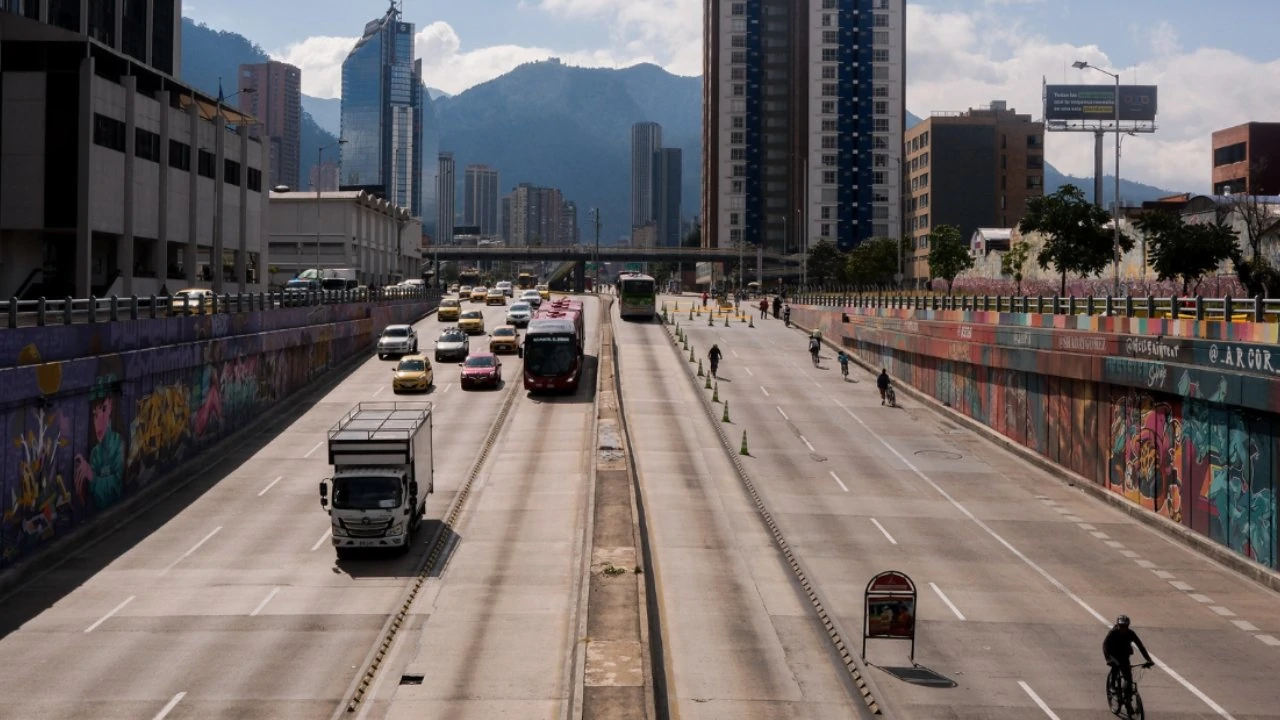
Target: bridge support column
pixel 580 276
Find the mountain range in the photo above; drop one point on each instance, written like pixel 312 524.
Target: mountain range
pixel 544 123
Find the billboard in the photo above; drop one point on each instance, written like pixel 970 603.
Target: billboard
pixel 1097 102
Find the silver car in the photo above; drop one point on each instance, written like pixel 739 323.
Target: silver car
pixel 397 340
pixel 533 297
pixel 519 314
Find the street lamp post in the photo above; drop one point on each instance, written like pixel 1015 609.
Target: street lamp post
pixel 595 214
pixel 319 161
pixel 1115 201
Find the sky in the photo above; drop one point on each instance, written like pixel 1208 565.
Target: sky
pixel 1214 68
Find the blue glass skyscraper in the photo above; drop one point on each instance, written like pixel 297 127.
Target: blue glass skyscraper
pixel 385 115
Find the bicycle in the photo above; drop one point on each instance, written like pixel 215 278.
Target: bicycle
pixel 814 353
pixel 1116 696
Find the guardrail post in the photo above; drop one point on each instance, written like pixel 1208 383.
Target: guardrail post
pixel 133 307
pixel 113 308
pixel 1227 309
pixel 42 309
pixel 213 308
pixel 93 308
pixel 152 311
pixel 1109 306
pixel 1259 309
pixel 1071 305
pixel 1199 306
pixel 13 312
pixel 1128 306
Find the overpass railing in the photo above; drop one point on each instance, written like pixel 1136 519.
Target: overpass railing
pixel 68 311
pixel 1256 309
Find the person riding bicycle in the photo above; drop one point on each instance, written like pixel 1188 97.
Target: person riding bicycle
pixel 882 382
pixel 1117 649
pixel 844 364
pixel 814 346
pixel 714 356
pixel 786 315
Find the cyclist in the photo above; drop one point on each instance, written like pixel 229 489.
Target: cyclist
pixel 882 382
pixel 786 315
pixel 844 364
pixel 1117 648
pixel 814 346
pixel 714 356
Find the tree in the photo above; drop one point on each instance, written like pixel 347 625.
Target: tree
pixel 1260 221
pixel 948 254
pixel 694 238
pixel 1076 237
pixel 1014 262
pixel 1178 251
pixel 873 263
pixel 823 262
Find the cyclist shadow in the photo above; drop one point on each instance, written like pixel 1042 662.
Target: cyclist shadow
pixel 918 675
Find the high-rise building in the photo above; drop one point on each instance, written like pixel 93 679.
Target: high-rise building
pixel 324 177
pixel 480 198
pixel 569 233
pixel 149 32
pixel 973 169
pixel 446 193
pixel 535 216
pixel 272 92
pixel 1246 159
pixel 646 139
pixel 505 230
pixel 428 152
pixel 803 109
pixel 667 178
pixel 383 106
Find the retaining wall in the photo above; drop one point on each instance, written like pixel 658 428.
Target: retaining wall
pixel 1176 416
pixel 90 415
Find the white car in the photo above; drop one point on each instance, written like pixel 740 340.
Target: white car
pixel 519 314
pixel 505 287
pixel 533 297
pixel 397 340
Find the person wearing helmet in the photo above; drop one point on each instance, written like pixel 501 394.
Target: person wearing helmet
pixel 1117 648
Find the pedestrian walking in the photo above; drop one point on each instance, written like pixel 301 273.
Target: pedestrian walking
pixel 764 308
pixel 714 356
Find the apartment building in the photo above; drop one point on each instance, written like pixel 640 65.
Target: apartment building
pixel 1246 159
pixel 272 92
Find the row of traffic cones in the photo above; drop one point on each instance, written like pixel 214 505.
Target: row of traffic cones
pixel 680 337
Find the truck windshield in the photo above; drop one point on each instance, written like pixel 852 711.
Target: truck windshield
pixel 550 355
pixel 366 493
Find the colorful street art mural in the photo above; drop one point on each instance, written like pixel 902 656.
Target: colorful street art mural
pixel 82 434
pixel 1198 446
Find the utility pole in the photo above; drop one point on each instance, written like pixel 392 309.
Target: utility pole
pixel 595 212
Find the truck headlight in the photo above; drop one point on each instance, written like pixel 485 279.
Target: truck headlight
pixel 397 529
pixel 339 531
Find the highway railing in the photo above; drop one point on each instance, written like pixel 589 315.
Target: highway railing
pixel 69 311
pixel 1256 309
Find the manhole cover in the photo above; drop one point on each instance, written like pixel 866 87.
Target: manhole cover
pixel 939 454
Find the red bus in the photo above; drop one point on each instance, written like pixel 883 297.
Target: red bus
pixel 553 347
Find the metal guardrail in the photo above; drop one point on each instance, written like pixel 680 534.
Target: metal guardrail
pixel 70 311
pixel 1257 309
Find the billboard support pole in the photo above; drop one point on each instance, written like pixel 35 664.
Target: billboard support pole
pixel 1097 168
pixel 1115 250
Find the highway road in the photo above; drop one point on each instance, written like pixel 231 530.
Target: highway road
pixel 1018 574
pixel 225 600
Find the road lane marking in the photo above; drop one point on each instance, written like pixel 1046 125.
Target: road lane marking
pixel 312 450
pixel 784 415
pixel 1183 586
pixel 1036 699
pixel 1100 535
pixel 1116 544
pixel 766 392
pixel 446 387
pixel 320 542
pixel 884 532
pixel 1224 612
pixel 1163 574
pixel 807 443
pixel 946 600
pixel 164 711
pixel 1129 554
pixel 1186 684
pixel 194 548
pixel 270 485
pixel 1203 599
pixel 744 367
pixel 1145 564
pixel 107 617
pixel 1268 640
pixel 838 482
pixel 264 602
pixel 1087 526
pixel 1072 518
pixel 735 352
pixel 1245 625
pixel 379 390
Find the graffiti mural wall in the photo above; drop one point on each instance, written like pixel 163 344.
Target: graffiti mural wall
pixel 84 433
pixel 1195 445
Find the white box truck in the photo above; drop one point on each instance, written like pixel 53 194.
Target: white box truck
pixel 382 475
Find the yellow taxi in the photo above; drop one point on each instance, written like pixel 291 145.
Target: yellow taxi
pixel 191 301
pixel 504 339
pixel 495 297
pixel 479 293
pixel 471 322
pixel 413 372
pixel 544 291
pixel 449 309
pixel 464 293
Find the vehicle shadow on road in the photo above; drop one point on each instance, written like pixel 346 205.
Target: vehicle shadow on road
pixel 43 590
pixel 390 563
pixel 586 392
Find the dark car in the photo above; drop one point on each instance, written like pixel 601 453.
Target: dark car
pixel 481 370
pixel 452 345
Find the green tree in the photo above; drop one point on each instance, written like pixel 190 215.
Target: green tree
pixel 948 254
pixel 1014 262
pixel 1178 251
pixel 873 263
pixel 1076 237
pixel 823 262
pixel 1260 222
pixel 694 238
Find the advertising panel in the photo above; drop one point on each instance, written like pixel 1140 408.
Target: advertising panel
pixel 1097 102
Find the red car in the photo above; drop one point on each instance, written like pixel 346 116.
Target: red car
pixel 481 370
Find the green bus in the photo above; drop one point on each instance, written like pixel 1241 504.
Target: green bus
pixel 637 296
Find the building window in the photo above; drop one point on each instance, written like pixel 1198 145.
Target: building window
pixel 735 235
pixel 882 4
pixel 738 25
pixel 1035 162
pixel 828 72
pixel 829 142
pixel 879 177
pixel 735 186
pixel 882 124
pixel 739 90
pixel 108 132
pixel 881 107
pixel 179 155
pixel 880 37
pixel 739 171
pixel 737 57
pixel 1226 155
pixel 881 91
pixel 255 179
pixel 828 89
pixel 146 145
pixel 828 177
pixel 205 164
pixel 828 20
pixel 924 180
pixel 880 56
pixel 880 142
pixel 830 37
pixel 828 4
pixel 828 126
pixel 1034 182
pixel 830 55
pixel 737 138
pixel 828 160
pixel 882 160
pixel 738 9
pixel 735 219
pixel 737 106
pixel 737 154
pixel 737 73
pixel 881 20
pixel 828 107
pixel 738 41
pixel 881 212
pixel 880 72
pixel 1034 141
pixel 230 172
pixel 827 212
pixel 825 230
pixel 737 122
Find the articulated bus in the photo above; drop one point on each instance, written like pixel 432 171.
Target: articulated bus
pixel 553 347
pixel 637 296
